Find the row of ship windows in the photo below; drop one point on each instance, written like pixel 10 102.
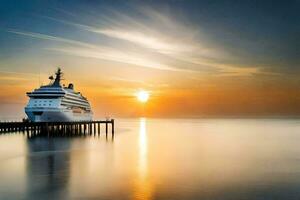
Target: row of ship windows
pixel 45 101
pixel 74 102
pixel 75 99
pixel 64 101
pixel 41 104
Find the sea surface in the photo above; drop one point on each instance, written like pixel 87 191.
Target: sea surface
pixel 208 159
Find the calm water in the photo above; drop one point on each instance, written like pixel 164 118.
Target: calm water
pixel 158 159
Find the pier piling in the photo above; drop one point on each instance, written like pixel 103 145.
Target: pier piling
pixel 49 129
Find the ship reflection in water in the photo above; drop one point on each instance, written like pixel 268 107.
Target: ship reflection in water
pixel 158 159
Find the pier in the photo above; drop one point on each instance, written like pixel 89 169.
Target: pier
pixel 59 129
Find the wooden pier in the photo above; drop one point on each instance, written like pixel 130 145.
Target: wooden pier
pixel 57 129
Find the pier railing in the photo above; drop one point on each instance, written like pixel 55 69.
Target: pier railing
pixel 76 128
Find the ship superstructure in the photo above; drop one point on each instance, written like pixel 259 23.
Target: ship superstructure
pixel 54 102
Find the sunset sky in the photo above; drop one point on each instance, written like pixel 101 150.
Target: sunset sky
pixel 196 58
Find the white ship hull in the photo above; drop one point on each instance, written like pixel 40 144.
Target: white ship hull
pixel 56 115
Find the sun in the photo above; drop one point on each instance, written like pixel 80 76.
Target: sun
pixel 142 96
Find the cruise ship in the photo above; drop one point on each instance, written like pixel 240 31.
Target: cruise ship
pixel 57 103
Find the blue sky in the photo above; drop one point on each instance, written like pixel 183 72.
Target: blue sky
pixel 262 33
pixel 157 45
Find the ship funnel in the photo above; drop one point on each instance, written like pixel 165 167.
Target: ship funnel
pixel 71 86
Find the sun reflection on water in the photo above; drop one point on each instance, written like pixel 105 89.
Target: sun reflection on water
pixel 142 163
pixel 143 187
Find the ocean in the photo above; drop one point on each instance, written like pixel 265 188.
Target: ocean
pixel 163 159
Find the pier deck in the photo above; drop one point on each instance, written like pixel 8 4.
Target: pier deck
pixel 49 129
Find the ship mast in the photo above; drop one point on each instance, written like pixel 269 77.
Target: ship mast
pixel 58 77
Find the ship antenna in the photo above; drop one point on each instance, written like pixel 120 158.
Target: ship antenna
pixel 58 78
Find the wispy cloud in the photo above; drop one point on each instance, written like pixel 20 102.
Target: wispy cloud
pixel 19 77
pixel 138 82
pixel 137 33
pixel 166 36
pixel 116 56
pixel 114 78
pixel 87 50
pixel 139 38
pixel 18 73
pixel 163 37
pixel 50 37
